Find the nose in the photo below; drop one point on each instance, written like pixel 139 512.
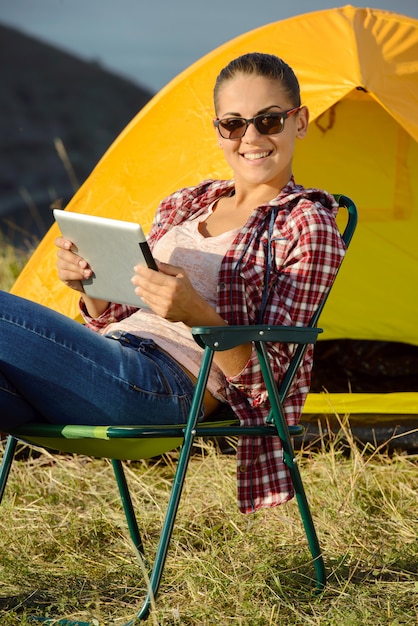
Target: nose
pixel 250 131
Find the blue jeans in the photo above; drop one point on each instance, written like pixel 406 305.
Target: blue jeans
pixel 54 369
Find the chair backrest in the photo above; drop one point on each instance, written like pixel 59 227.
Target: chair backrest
pixel 347 235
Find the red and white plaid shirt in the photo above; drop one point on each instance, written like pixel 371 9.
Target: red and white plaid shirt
pixel 277 271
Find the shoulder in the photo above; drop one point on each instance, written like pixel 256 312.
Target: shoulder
pixel 307 207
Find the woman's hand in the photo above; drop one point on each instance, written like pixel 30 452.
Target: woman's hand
pixel 170 294
pixel 72 269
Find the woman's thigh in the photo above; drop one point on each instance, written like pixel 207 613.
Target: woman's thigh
pixel 55 369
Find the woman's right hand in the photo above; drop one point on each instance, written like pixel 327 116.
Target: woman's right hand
pixel 72 269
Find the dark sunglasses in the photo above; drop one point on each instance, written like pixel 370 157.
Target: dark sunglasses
pixel 265 124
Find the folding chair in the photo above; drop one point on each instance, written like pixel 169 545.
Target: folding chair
pixel 120 443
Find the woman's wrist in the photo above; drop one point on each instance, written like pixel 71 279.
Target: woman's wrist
pixel 203 314
pixel 94 308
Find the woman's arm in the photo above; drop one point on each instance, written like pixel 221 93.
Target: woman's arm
pixel 170 295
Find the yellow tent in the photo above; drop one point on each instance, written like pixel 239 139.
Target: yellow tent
pixel 358 70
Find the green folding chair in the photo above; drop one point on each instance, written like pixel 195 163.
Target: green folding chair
pixel 120 443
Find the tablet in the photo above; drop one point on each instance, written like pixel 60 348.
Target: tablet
pixel 112 248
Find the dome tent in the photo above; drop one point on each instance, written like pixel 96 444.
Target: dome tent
pixel 358 71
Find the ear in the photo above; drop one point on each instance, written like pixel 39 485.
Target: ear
pixel 302 122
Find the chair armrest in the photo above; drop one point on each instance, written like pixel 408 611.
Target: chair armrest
pixel 226 337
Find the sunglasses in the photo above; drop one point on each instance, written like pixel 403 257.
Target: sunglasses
pixel 265 124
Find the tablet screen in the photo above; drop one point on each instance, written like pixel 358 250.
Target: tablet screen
pixel 112 248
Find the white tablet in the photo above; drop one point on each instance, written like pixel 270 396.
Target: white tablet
pixel 112 248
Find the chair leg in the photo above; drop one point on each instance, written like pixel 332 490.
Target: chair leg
pixel 304 509
pixel 167 528
pixel 308 524
pixel 168 525
pixel 177 488
pixel 127 504
pixel 280 422
pixel 6 464
pixel 165 536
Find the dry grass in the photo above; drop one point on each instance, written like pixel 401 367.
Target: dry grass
pixel 11 263
pixel 65 549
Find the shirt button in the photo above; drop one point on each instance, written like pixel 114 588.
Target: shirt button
pixel 221 286
pixel 243 468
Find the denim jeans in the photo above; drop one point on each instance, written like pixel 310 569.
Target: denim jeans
pixel 54 369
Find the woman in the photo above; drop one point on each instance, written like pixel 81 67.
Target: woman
pixel 258 249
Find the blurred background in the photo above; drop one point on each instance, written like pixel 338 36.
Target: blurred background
pixel 74 73
pixel 151 42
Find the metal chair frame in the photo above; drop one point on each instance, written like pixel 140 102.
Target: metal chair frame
pixel 78 438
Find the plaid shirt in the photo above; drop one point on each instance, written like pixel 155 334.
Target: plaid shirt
pixel 277 271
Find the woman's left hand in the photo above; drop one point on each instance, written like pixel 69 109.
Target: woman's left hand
pixel 170 294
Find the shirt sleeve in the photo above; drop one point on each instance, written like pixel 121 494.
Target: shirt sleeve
pixel 114 313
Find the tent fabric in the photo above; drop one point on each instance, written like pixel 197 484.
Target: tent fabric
pixel 358 69
pixel 364 403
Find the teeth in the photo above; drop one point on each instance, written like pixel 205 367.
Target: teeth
pixel 252 156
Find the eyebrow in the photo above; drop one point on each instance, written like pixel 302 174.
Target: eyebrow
pixel 260 112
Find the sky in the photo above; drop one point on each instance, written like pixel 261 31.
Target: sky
pixel 152 41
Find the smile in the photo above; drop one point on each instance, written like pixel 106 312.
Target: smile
pixel 253 156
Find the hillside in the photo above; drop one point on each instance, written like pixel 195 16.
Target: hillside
pixel 48 94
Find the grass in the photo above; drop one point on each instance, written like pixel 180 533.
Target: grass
pixel 12 261
pixel 65 550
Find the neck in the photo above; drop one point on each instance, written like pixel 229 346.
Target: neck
pixel 253 197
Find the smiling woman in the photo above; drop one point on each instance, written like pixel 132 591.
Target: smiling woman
pixel 348 127
pixel 258 249
pixel 256 131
